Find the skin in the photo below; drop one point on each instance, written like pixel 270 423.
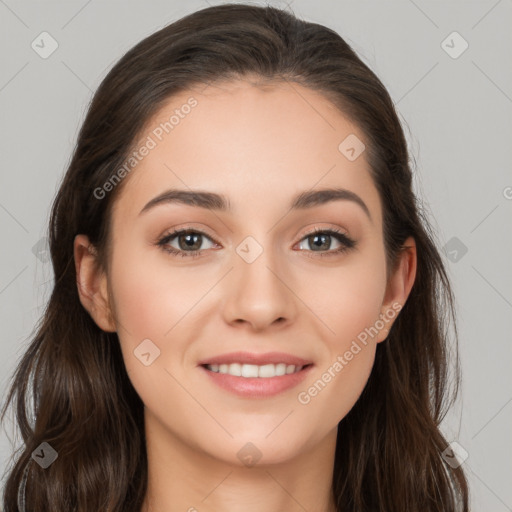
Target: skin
pixel 259 146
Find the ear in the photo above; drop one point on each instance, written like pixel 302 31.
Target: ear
pixel 398 287
pixel 92 284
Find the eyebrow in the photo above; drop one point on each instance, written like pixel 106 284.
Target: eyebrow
pixel 219 202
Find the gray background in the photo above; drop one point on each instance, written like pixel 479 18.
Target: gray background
pixel 457 116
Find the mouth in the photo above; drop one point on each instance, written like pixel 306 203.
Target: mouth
pixel 256 375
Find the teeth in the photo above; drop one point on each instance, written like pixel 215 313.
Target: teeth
pixel 253 370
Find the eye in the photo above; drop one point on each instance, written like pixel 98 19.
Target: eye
pixel 322 238
pixel 189 242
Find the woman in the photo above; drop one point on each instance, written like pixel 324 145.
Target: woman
pixel 249 309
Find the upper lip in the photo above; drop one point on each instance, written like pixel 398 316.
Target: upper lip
pixel 257 359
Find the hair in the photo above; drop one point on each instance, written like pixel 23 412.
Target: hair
pixel 389 446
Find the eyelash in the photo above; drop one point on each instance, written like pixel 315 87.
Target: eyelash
pixel 347 243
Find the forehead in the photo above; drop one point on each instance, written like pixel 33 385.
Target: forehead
pixel 255 142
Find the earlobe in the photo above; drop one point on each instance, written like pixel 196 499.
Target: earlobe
pixel 92 284
pixel 399 286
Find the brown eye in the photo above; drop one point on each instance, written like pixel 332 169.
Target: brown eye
pixel 321 240
pixel 189 242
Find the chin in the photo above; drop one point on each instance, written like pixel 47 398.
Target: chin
pixel 260 450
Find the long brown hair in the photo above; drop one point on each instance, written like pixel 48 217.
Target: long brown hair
pixel 389 448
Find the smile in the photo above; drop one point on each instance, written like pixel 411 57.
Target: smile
pixel 255 381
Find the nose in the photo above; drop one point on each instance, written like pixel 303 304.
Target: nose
pixel 259 293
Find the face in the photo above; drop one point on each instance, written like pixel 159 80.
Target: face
pixel 278 279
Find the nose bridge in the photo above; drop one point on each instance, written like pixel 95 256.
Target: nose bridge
pixel 256 258
pixel 258 293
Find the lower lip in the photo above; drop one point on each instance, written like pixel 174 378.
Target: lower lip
pixel 257 387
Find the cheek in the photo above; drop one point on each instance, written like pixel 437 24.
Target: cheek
pixel 148 303
pixel 349 303
pixel 151 297
pixel 348 300
pixel 156 301
pixel 351 312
